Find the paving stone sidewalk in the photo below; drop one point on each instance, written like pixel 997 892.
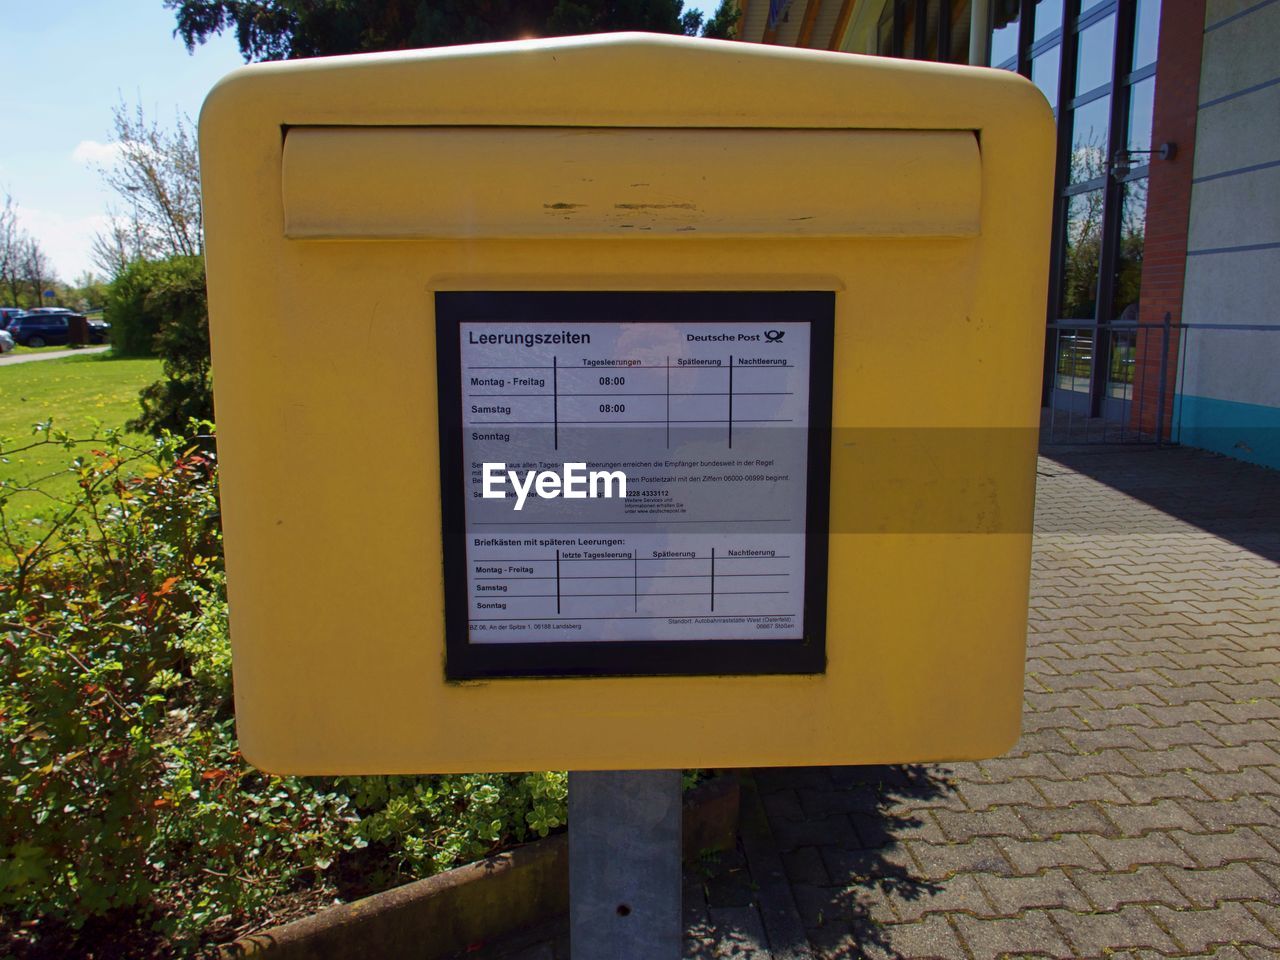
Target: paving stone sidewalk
pixel 1139 815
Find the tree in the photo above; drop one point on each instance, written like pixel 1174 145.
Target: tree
pixel 119 245
pixel 12 247
pixel 36 269
pixel 288 29
pixel 157 176
pixel 1088 163
pixel 158 308
pixel 179 301
pixel 25 269
pixel 1133 230
pixel 87 292
pixel 723 24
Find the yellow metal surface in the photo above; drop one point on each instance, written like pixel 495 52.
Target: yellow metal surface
pixel 646 182
pixel 324 352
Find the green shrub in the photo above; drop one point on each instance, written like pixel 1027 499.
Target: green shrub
pixel 122 791
pixel 160 309
pixel 431 823
pixel 134 323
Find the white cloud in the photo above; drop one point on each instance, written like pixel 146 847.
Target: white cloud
pixel 67 240
pixel 93 153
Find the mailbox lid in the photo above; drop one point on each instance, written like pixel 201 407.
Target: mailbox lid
pixel 515 182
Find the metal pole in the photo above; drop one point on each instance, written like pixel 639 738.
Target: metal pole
pixel 979 32
pixel 1164 376
pixel 624 865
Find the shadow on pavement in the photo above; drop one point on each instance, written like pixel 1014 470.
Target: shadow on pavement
pixel 841 834
pixel 722 915
pixel 1231 499
pixel 822 854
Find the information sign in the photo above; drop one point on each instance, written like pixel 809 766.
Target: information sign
pixel 635 483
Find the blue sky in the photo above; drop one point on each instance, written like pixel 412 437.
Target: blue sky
pixel 64 65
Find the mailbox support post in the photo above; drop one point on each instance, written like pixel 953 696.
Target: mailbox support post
pixel 624 865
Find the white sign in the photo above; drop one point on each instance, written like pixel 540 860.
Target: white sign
pixel 708 421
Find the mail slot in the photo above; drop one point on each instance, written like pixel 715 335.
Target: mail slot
pixel 390 182
pixel 568 423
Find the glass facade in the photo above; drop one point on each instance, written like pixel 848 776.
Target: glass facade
pixel 1089 126
pixel 1094 60
pixel 1142 101
pixel 1044 74
pixel 1006 23
pixel 1081 245
pixel 1095 55
pixel 1128 260
pixel 1048 18
pixel 1146 31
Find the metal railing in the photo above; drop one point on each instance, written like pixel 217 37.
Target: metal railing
pixel 1124 382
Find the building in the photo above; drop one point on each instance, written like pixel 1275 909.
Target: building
pixel 1161 307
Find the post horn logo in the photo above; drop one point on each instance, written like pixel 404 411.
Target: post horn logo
pixel 774 336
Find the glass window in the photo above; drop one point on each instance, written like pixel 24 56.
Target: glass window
pixel 1090 127
pixel 1124 356
pixel 1048 18
pixel 1004 32
pixel 1044 73
pixel 1133 230
pixel 1075 359
pixel 1142 98
pixel 1081 248
pixel 1094 61
pixel 1146 33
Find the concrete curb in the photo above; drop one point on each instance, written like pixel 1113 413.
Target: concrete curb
pixel 446 914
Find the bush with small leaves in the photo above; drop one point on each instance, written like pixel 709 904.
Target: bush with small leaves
pixel 123 794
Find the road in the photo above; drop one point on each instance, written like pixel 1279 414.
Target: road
pixel 9 359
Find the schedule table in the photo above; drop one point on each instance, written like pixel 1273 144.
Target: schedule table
pixel 708 421
pixel 592 583
pixel 704 391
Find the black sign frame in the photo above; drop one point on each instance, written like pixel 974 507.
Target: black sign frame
pixel 746 656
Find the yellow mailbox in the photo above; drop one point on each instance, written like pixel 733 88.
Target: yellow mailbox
pixel 625 402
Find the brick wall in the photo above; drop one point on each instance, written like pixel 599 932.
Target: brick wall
pixel 1168 205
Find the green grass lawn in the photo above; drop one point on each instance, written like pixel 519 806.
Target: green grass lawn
pixel 83 396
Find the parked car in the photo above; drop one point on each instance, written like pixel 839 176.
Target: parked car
pixel 41 329
pixel 6 342
pixel 99 330
pixel 9 314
